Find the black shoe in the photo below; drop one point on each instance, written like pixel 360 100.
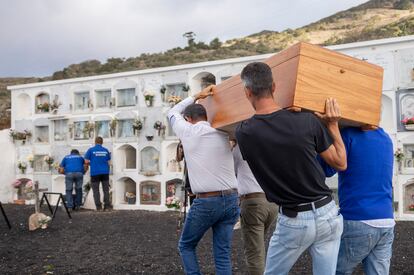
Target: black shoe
pixel 76 208
pixel 99 208
pixel 108 208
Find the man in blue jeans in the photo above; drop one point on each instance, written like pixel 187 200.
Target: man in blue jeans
pixel 98 158
pixel 212 179
pixel 73 166
pixel 280 147
pixel 365 200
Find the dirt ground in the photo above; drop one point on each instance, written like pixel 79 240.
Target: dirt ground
pixel 130 242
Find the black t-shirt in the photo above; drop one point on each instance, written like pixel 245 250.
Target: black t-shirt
pixel 281 150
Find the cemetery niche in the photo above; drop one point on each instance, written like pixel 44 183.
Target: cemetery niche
pixel 405 99
pixel 126 97
pixel 150 192
pixel 408 200
pixel 42 103
pixel 82 101
pixel 103 99
pixel 60 130
pixel 126 157
pixel 150 158
pixel 127 190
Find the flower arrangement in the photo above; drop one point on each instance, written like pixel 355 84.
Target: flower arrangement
pixel 29 190
pixel 55 165
pixel 174 99
pixel 137 125
pixel 54 106
pixel 160 127
pixel 17 183
pixel 22 166
pixel 173 202
pixel 88 129
pixel 411 207
pixel 399 155
pixel 163 90
pixel 30 159
pixel 112 126
pixel 43 107
pixel 186 88
pixel 408 123
pixel 49 160
pixel 16 135
pixel 130 195
pixel 44 222
pixel 149 98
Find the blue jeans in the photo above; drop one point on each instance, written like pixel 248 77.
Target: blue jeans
pixel 363 243
pixel 219 213
pixel 319 230
pixel 77 179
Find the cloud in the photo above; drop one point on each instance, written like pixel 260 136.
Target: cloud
pixel 43 36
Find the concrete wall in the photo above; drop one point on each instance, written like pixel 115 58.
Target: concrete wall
pixel 7 167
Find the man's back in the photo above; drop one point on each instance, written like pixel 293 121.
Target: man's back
pixel 98 157
pixel 209 154
pixel 281 150
pixel 73 163
pixel 365 188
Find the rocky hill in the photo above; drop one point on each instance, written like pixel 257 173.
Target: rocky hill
pixel 374 19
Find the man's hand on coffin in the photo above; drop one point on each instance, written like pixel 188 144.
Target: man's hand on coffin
pixel 206 92
pixel 368 127
pixel 332 112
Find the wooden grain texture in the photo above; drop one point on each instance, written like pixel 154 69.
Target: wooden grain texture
pixel 305 75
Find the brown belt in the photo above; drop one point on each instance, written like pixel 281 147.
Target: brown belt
pixel 252 196
pixel 216 193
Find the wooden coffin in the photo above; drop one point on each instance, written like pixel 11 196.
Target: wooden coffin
pixel 305 75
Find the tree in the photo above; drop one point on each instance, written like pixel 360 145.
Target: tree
pixel 190 38
pixel 215 43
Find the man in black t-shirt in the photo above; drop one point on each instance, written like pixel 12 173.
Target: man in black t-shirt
pixel 280 147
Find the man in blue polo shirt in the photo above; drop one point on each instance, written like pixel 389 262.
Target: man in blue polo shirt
pixel 73 167
pixel 365 200
pixel 98 158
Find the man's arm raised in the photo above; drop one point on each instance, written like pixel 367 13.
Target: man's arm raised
pixel 335 155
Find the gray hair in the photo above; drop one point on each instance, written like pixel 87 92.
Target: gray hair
pixel 257 77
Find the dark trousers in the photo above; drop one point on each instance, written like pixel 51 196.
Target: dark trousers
pixel 95 180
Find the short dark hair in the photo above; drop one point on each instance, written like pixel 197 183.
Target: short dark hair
pixel 257 77
pixel 195 112
pixel 74 152
pixel 98 140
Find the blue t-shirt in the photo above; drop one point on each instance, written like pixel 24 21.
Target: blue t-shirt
pixel 73 163
pixel 365 187
pixel 98 157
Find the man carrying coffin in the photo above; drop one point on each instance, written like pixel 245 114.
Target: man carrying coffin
pixel 280 147
pixel 212 179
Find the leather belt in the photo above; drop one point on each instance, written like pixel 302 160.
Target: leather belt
pixel 252 196
pixel 292 211
pixel 216 193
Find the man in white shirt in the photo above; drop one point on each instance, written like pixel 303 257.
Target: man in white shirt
pixel 257 215
pixel 212 179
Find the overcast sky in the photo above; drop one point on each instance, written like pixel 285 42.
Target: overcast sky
pixel 38 37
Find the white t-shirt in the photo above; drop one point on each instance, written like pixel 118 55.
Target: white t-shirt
pixel 246 181
pixel 207 152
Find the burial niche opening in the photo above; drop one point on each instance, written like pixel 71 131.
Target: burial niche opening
pixel 150 192
pixel 127 157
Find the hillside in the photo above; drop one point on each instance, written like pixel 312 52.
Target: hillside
pixel 374 19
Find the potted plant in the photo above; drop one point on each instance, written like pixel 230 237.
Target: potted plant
pixel 49 160
pixel 130 197
pixel 137 125
pixel 173 202
pixel 29 191
pixel 399 157
pixel 149 98
pixel 163 90
pixel 22 166
pixel 23 136
pixel 408 123
pixel 173 100
pixel 160 127
pixel 54 106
